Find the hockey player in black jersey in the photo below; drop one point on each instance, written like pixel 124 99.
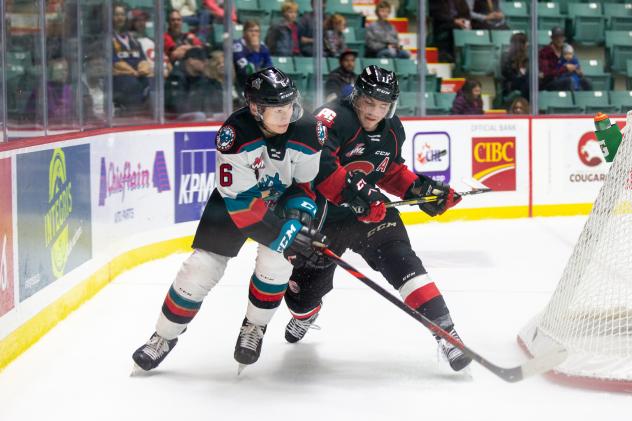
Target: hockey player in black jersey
pixel 267 156
pixel 361 156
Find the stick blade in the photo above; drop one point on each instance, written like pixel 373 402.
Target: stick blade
pixel 544 362
pixel 474 184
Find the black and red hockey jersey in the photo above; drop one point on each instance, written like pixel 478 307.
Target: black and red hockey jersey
pixel 350 148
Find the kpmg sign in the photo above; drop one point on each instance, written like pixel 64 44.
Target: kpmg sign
pixel 195 173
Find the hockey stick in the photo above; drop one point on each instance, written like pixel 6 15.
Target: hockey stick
pixel 540 364
pixel 427 199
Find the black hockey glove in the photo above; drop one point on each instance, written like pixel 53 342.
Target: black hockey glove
pixel 300 253
pixel 363 198
pixel 426 186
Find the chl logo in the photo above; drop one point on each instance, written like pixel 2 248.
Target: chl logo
pixel 327 116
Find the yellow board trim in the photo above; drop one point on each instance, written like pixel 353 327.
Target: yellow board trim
pixel 32 330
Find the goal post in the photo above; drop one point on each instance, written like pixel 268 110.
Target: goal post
pixel 590 311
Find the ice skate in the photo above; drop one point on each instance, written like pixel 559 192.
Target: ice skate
pixel 453 355
pixel 296 329
pixel 248 346
pixel 151 354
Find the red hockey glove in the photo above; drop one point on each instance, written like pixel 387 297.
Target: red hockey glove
pixel 363 198
pixel 426 186
pixel 377 212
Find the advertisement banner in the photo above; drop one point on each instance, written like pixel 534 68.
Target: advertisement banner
pixel 568 165
pixel 6 238
pixel 494 162
pixel 132 188
pixel 54 215
pixel 492 151
pixel 194 173
pixel 431 155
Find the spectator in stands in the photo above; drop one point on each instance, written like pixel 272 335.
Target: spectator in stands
pixel 216 7
pixel 60 101
pixel 306 30
pixel 177 43
pixel 282 37
pixel 340 81
pixel 550 75
pixel 486 14
pixel 468 100
pixel 448 15
pixel 131 70
pixel 334 36
pixel 520 105
pixel 515 66
pixel 93 80
pixel 215 71
pixel 138 29
pixel 199 19
pixel 249 53
pixel 574 72
pixel 189 93
pixel 382 39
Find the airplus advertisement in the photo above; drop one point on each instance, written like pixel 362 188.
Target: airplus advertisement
pixel 6 239
pixel 194 173
pixel 54 215
pixel 493 152
pixel 132 187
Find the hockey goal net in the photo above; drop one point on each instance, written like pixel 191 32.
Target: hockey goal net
pixel 590 312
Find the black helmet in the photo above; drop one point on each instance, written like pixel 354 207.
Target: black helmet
pixel 378 83
pixel 271 87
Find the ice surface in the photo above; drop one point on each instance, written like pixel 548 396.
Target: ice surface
pixel 369 362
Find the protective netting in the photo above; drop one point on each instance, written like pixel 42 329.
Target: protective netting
pixel 590 312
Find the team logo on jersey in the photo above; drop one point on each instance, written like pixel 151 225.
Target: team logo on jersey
pixel 365 167
pixel 357 150
pixel 225 139
pixel 258 164
pixel 256 83
pixel 321 132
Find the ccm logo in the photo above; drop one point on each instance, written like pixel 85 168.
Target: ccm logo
pixel 381 227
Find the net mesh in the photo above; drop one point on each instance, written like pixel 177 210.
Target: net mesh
pixel 590 312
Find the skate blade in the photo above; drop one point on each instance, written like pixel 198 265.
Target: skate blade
pixel 241 368
pixel 137 371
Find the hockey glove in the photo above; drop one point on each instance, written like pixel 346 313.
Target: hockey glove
pixel 426 186
pixel 301 208
pixel 300 253
pixel 363 198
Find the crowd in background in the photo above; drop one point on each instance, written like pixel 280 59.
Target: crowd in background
pixel 193 62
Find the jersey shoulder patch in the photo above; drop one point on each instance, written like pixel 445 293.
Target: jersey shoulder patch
pixel 225 139
pixel 310 133
pixel 326 116
pixel 239 133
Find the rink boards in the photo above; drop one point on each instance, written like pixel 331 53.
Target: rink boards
pixel 77 210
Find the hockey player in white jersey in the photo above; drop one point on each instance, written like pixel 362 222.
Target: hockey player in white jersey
pixel 268 154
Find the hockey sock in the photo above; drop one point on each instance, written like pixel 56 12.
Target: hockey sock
pixel 423 295
pixel 305 315
pixel 263 300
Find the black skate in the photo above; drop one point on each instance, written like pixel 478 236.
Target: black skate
pixel 456 358
pixel 249 342
pixel 297 328
pixel 150 355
